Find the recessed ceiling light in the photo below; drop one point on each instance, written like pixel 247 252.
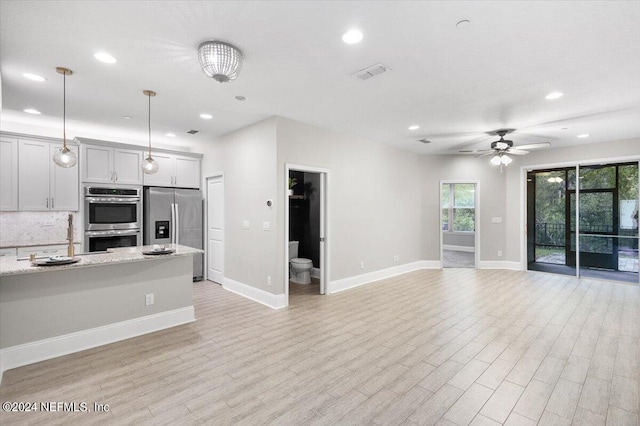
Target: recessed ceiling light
pixel 105 57
pixel 206 116
pixel 32 111
pixel 414 127
pixel 241 98
pixel 126 117
pixel 34 77
pixel 463 24
pixel 564 128
pixel 584 135
pixel 352 37
pixel 171 135
pixel 554 95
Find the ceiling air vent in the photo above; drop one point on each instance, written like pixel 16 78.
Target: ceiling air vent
pixel 423 140
pixel 371 71
pixel 193 132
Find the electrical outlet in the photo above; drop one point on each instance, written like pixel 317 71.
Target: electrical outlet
pixel 499 253
pixel 245 224
pixel 362 264
pixel 268 280
pixel 396 257
pixel 148 299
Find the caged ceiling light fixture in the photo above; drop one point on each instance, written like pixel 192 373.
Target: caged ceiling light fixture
pixel 64 157
pixel 219 60
pixel 149 165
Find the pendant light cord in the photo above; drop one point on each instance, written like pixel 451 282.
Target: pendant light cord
pixel 64 110
pixel 149 96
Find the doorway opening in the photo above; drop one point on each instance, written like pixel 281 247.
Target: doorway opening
pixel 306 250
pixel 458 224
pixel 215 229
pixel 584 221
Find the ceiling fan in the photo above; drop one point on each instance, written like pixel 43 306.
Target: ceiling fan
pixel 502 147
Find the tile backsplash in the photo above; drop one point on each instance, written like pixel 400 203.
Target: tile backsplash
pixel 19 229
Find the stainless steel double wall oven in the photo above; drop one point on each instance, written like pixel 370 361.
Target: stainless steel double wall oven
pixel 112 217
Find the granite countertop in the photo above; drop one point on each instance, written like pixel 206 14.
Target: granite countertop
pixel 4 244
pixel 10 265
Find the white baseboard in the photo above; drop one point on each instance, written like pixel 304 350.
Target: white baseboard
pixel 275 301
pixel 358 280
pixel 459 248
pixel 315 272
pixel 499 264
pixel 29 353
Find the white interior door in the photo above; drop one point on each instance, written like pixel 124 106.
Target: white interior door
pixel 215 229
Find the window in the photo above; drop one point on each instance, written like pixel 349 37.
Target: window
pixel 458 207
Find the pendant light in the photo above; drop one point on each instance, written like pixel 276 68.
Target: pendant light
pixel 149 165
pixel 64 157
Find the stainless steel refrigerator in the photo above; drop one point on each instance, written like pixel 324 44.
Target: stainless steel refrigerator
pixel 174 216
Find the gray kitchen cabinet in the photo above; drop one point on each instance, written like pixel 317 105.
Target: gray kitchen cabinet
pixel 8 174
pixel 43 186
pixel 106 164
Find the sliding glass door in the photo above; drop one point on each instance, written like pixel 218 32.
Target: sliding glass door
pixel 586 226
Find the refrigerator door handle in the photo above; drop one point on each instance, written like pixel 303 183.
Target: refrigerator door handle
pixel 173 223
pixel 177 224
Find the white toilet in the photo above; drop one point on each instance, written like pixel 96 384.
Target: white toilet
pixel 299 268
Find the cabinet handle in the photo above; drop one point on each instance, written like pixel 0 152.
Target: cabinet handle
pixel 47 203
pixel 52 206
pixel 116 173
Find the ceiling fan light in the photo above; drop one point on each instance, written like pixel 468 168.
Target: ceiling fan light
pixel 496 160
pixel 220 61
pixel 506 160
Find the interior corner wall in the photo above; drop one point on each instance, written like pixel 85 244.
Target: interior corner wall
pixel 619 151
pixel 247 157
pixel 374 197
pixel 492 202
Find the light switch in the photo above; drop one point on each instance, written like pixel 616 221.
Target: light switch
pixel 266 226
pixel 496 220
pixel 245 224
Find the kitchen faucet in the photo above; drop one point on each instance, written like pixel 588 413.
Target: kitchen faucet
pixel 70 236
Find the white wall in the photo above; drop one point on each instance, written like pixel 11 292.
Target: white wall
pixel 374 197
pixel 466 239
pixel 247 157
pixel 616 151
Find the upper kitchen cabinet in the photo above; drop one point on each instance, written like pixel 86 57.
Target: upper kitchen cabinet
pixel 42 185
pixel 105 164
pixel 180 171
pixel 8 174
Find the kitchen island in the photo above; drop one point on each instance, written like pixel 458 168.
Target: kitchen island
pixel 48 311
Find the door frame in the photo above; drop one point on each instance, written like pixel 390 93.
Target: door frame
pixel 476 202
pixel 324 225
pixel 206 226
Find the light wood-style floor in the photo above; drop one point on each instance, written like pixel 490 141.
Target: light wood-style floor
pixel 446 347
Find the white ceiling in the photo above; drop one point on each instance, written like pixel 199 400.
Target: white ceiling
pixel 456 83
